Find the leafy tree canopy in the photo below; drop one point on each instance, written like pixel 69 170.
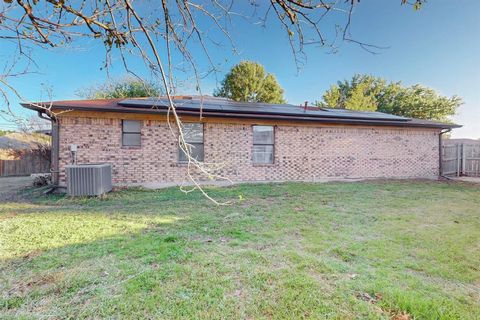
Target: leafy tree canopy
pixel 5 132
pixel 248 81
pixel 123 88
pixel 369 93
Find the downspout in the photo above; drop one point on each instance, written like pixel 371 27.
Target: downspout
pixel 440 156
pixel 54 152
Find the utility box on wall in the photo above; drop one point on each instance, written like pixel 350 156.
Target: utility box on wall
pixel 89 179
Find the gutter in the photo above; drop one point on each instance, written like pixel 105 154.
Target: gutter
pixel 440 156
pixel 346 120
pixel 352 121
pixel 54 152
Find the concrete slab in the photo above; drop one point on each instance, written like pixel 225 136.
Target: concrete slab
pixel 467 179
pixel 224 183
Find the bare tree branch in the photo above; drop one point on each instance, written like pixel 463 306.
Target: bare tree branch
pixel 163 37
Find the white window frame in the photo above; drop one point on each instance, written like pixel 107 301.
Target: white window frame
pixel 193 143
pixel 263 144
pixel 139 133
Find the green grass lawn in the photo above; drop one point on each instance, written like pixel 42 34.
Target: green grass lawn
pixel 371 250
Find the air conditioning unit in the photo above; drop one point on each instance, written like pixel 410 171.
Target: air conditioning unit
pixel 89 179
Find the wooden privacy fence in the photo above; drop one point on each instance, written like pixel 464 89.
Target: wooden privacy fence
pixel 24 166
pixel 461 160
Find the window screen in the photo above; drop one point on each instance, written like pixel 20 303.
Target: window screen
pixel 263 144
pixel 131 135
pixel 193 134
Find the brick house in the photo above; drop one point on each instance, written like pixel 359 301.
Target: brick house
pixel 252 142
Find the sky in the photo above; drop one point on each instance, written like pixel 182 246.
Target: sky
pixel 437 46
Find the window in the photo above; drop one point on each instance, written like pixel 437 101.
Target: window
pixel 131 136
pixel 193 134
pixel 263 144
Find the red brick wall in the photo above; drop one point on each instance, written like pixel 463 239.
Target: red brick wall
pixel 301 152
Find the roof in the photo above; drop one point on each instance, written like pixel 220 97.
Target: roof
pixel 47 132
pixel 225 108
pixel 21 141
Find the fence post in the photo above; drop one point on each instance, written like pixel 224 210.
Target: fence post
pixel 458 159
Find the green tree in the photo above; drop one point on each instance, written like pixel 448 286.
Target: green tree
pixel 368 93
pixel 5 132
pixel 123 88
pixel 248 81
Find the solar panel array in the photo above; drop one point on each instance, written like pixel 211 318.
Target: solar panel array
pixel 211 104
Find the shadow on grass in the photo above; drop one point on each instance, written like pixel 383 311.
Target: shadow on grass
pixel 67 275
